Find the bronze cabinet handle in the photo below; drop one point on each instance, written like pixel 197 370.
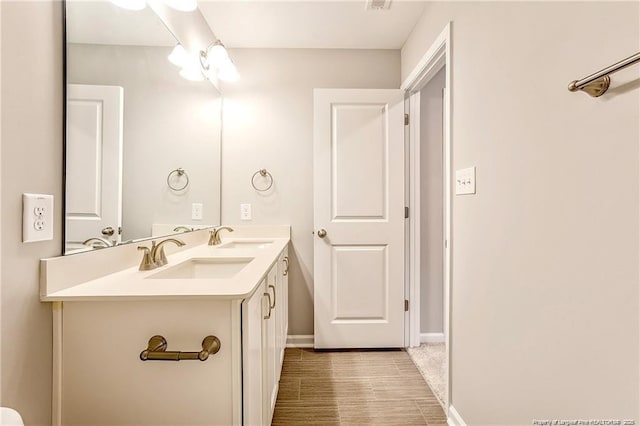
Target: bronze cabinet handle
pixel 286 263
pixel 269 304
pixel 274 296
pixel 157 350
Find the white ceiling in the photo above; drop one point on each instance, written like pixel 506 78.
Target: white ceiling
pixel 311 24
pixel 342 24
pixel 101 22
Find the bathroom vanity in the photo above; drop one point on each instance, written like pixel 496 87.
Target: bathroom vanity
pixel 105 317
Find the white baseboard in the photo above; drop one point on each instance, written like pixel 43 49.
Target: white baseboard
pixel 454 418
pixel 431 337
pixel 300 341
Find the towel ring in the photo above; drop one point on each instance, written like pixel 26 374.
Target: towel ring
pixel 265 174
pixel 179 172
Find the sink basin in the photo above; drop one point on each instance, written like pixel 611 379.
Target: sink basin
pixel 247 244
pixel 207 267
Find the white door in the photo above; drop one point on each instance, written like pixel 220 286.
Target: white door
pixel 94 161
pixel 359 218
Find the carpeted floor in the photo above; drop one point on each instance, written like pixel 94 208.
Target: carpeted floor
pixel 431 360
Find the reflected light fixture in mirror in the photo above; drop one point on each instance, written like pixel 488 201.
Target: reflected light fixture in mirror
pixel 178 56
pixel 191 69
pixel 216 59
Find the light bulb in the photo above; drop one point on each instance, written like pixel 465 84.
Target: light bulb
pixel 191 70
pixel 228 71
pixel 182 5
pixel 178 56
pixel 217 55
pixel 130 4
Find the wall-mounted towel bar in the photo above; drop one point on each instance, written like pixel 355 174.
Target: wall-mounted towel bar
pixel 157 350
pixel 597 83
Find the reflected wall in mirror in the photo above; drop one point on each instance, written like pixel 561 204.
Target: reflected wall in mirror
pixel 131 121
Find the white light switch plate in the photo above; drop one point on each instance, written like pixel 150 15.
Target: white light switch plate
pixel 245 211
pixel 196 211
pixel 466 181
pixel 37 217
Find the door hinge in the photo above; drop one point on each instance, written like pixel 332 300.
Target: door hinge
pixel 406 212
pixel 406 119
pixel 406 305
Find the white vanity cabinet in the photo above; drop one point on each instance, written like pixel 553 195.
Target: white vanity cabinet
pixel 99 378
pixel 264 341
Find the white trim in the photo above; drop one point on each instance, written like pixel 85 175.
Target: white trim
pixel 454 418
pixel 56 400
pixel 236 361
pixel 300 341
pixel 431 337
pixel 414 224
pixel 430 63
pixel 437 56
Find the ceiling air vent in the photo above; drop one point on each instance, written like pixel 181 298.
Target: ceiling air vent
pixel 378 4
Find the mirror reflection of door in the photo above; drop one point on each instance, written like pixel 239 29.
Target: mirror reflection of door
pixel 94 164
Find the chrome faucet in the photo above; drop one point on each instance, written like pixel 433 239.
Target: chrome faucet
pixel 214 235
pixel 154 257
pixel 91 242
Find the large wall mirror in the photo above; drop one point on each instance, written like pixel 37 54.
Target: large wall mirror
pixel 142 142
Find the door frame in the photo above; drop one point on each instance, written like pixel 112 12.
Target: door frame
pixel 437 56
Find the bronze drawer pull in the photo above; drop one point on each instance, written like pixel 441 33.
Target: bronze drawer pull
pixel 157 350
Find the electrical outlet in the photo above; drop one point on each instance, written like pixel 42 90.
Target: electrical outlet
pixel 37 217
pixel 196 211
pixel 245 211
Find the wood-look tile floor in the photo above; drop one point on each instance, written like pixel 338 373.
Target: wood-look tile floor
pixel 354 388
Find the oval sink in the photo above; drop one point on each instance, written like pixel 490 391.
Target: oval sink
pixel 204 268
pixel 247 244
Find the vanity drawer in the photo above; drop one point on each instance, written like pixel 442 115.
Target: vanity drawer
pixel 104 382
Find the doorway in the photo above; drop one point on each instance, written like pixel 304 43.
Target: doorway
pixel 429 356
pixel 428 90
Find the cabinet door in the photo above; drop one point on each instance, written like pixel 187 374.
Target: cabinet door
pixel 269 345
pixel 104 382
pixel 253 311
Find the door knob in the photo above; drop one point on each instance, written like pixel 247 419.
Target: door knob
pixel 322 233
pixel 108 231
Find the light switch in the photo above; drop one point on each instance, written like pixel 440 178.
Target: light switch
pixel 245 211
pixel 37 217
pixel 466 181
pixel 196 211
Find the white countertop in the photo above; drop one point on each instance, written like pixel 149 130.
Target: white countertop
pixel 132 284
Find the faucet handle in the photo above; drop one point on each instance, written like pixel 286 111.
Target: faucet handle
pixel 147 263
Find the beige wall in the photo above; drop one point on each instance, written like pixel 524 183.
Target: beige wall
pixel 431 206
pixel 268 123
pixel 31 162
pixel 545 256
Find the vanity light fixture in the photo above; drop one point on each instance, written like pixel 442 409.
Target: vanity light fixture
pixel 178 56
pixel 191 70
pixel 216 59
pixel 130 4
